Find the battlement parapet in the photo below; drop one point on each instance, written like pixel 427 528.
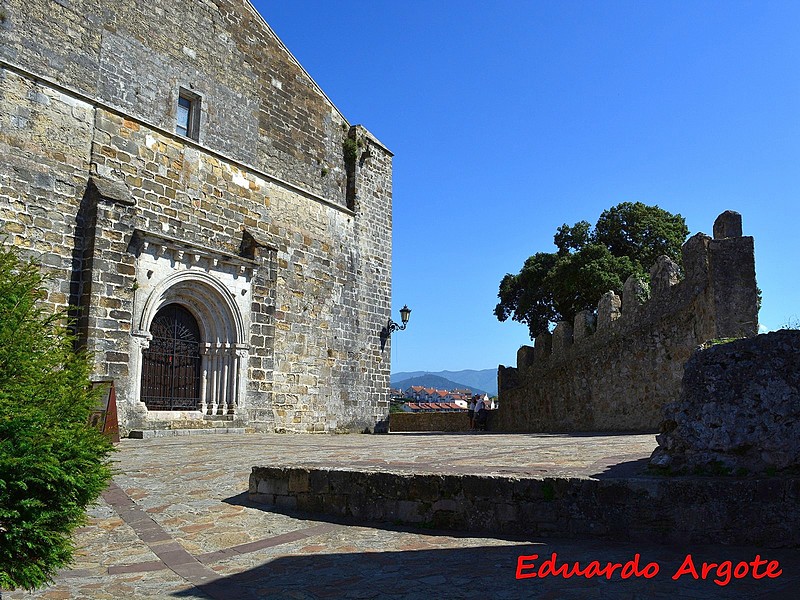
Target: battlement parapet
pixel 542 346
pixel 633 347
pixel 584 325
pixel 562 339
pixel 709 264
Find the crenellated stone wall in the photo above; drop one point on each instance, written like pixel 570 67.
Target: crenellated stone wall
pixel 277 244
pixel 614 370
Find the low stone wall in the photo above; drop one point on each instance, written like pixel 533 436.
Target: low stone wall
pixel 432 421
pixel 739 408
pixel 653 509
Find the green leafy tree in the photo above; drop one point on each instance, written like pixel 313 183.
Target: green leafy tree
pixel 525 297
pixel 577 280
pixel 52 465
pixel 641 232
pixel 554 286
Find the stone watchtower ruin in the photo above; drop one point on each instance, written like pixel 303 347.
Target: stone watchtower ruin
pixel 221 232
pixel 615 370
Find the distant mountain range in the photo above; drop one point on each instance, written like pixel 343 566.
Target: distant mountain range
pixel 479 382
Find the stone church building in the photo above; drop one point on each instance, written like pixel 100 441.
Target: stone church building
pixel 219 230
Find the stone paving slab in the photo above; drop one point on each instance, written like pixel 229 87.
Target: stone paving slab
pixel 176 523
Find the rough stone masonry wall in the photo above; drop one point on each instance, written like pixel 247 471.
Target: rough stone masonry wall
pixel 739 408
pixel 90 164
pixel 364 381
pixel 45 147
pixel 615 372
pixel 260 107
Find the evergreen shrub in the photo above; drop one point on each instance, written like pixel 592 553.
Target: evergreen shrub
pixel 52 464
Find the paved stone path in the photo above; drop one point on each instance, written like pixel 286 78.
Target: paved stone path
pixel 176 523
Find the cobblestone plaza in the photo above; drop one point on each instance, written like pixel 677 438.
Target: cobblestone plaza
pixel 176 523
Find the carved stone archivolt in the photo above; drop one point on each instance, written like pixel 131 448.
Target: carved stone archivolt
pixel 216 289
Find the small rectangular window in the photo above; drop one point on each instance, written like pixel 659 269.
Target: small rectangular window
pixel 187 122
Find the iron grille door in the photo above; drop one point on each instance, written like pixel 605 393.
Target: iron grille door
pixel 171 365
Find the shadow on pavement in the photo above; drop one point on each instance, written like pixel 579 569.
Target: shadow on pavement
pixel 626 469
pixel 522 434
pixel 490 572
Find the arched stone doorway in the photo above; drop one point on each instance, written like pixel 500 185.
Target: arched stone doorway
pixel 172 364
pixel 196 314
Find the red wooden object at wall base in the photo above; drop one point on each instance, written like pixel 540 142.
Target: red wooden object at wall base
pixel 104 417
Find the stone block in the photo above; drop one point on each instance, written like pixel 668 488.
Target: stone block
pixel 525 356
pixel 738 407
pixel 448 505
pixel 608 310
pixel 543 346
pixel 299 481
pixel 728 225
pixel 286 502
pixel 273 485
pixel 663 275
pixel 584 326
pixel 695 258
pixel 410 511
pixel 562 338
pixel 635 293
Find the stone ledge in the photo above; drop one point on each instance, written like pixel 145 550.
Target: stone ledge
pixel 146 434
pixel 672 510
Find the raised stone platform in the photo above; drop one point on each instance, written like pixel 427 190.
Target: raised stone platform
pixel 599 487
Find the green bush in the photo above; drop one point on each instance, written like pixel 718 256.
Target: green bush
pixel 52 465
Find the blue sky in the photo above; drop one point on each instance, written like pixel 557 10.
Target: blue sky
pixel 508 119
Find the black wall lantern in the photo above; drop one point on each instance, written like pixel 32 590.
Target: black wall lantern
pixel 391 326
pixel 405 313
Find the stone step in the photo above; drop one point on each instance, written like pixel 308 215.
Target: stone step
pixel 218 418
pixel 144 434
pixel 207 422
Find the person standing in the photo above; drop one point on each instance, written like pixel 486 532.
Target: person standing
pixel 480 414
pixel 471 412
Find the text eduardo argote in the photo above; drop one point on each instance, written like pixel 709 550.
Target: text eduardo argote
pixel 529 567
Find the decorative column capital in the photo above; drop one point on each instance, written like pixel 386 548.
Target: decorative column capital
pixel 142 339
